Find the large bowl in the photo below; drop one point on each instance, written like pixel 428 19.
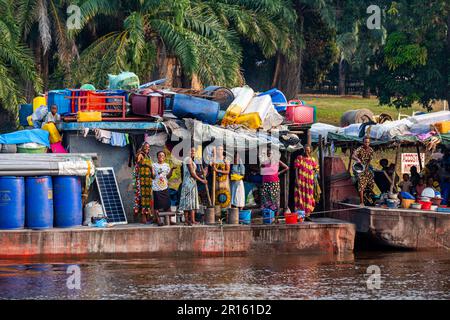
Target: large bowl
pixel 428 192
pixel 358 167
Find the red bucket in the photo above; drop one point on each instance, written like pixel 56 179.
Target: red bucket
pixel 291 218
pixel 426 205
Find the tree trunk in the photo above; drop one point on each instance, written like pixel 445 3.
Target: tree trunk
pixel 366 89
pixel 448 55
pixel 276 74
pixel 342 77
pixel 45 71
pixel 196 83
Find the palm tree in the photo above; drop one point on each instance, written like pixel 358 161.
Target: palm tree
pixel 42 24
pixel 16 63
pixel 198 39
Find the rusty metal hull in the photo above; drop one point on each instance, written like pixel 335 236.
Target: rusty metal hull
pixel 398 228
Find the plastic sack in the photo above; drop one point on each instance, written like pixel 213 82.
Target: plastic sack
pixel 124 81
pixel 39 114
pixel 92 209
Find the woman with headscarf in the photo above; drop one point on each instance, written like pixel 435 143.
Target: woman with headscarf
pixel 189 201
pixel 143 197
pixel 305 170
pixel 237 183
pixel 364 155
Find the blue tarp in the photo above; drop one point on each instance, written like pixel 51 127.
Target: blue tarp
pixel 26 136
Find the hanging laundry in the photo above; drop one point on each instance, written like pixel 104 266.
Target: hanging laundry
pixel 118 139
pixel 103 136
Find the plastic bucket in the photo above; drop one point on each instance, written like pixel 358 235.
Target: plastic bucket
pixel 426 205
pixel 268 216
pixel 291 218
pixel 406 203
pixel 245 216
pixel 233 216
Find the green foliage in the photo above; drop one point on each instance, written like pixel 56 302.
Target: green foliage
pixel 16 63
pixel 399 51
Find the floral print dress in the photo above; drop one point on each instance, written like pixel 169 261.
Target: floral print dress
pixel 143 197
pixel 366 179
pixel 305 182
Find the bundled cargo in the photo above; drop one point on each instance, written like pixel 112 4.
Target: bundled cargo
pixel 243 96
pixel 185 106
pixel 147 102
pixel 124 81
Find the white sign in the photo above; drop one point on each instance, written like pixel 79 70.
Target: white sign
pixel 412 159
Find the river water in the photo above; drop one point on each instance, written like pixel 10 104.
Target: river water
pixel 403 275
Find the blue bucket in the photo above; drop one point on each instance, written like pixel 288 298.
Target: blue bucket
pixel 268 216
pixel 245 216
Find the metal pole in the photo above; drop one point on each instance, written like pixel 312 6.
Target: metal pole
pixel 420 159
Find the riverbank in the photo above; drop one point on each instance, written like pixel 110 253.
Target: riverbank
pixel 321 236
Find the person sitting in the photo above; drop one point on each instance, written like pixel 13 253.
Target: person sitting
pixel 405 185
pixel 384 163
pixel 53 116
pixel 434 184
pixel 420 187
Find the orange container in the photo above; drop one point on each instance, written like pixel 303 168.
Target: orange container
pixel 443 127
pixel 291 218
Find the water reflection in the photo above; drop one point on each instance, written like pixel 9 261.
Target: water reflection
pixel 412 275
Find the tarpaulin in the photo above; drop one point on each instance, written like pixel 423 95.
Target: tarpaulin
pixel 26 136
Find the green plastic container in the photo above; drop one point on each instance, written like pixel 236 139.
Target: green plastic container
pixel 31 150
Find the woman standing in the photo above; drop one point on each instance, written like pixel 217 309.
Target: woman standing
pixel 222 168
pixel 189 194
pixel 237 183
pixel 161 173
pixel 143 198
pixel 270 190
pixel 305 169
pixel 364 155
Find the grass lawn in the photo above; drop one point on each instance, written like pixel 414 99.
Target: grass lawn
pixel 331 108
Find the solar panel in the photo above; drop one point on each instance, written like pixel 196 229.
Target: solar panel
pixel 110 196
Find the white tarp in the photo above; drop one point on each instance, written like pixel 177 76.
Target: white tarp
pixel 76 168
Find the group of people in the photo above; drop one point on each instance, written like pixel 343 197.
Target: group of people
pixel 435 175
pixel 152 183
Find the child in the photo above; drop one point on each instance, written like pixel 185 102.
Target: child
pixel 406 184
pixel 161 173
pixel 420 187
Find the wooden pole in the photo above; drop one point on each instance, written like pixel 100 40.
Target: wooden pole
pixel 286 181
pixel 420 159
pixel 321 170
pixel 395 169
pixel 351 158
pixel 214 178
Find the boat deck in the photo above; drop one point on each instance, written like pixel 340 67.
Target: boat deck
pixel 321 236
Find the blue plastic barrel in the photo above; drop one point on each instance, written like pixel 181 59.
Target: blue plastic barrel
pixel 12 203
pixel 67 201
pixel 245 216
pixel 277 98
pixel 58 97
pixel 38 202
pixel 268 216
pixel 185 106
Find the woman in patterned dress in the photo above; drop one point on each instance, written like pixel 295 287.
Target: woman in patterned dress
pixel 305 169
pixel 222 168
pixel 143 198
pixel 189 201
pixel 364 155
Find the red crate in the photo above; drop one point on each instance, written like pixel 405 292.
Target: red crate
pixel 147 103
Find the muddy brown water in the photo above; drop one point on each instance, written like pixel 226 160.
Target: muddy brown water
pixel 403 275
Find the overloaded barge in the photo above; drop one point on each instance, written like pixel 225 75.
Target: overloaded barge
pixel 74 195
pixel 417 223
